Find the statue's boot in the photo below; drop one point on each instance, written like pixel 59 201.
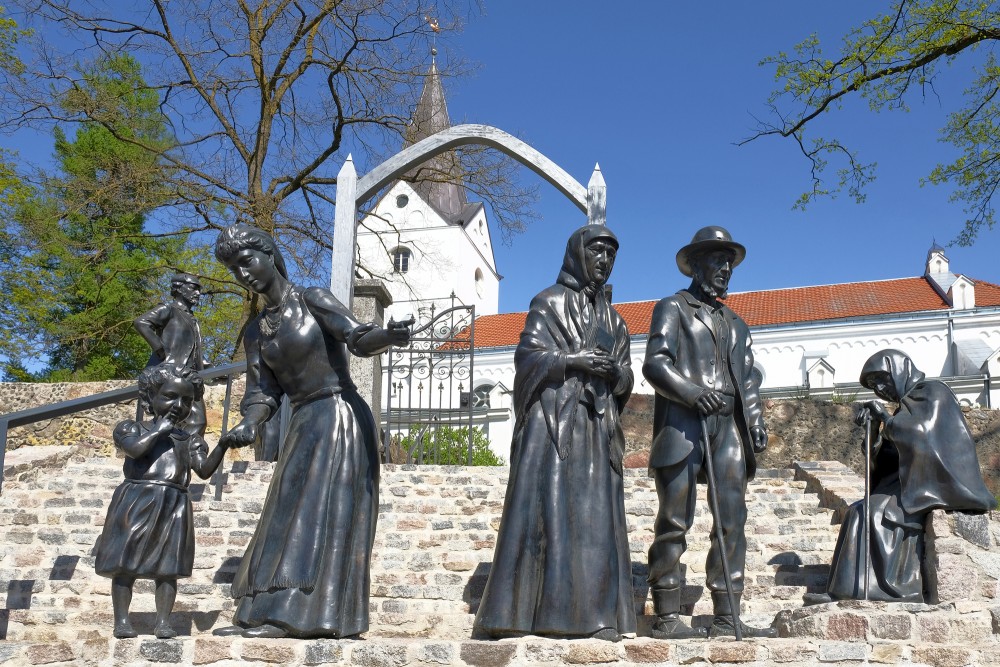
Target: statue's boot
pixel 722 624
pixel 668 625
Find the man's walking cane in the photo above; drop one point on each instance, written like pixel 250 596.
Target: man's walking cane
pixel 713 502
pixel 868 497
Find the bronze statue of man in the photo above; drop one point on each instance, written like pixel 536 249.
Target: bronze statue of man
pixel 175 337
pixel 699 361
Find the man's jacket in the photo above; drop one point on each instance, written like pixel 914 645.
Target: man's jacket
pixel 680 364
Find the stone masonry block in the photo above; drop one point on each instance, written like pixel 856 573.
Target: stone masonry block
pixel 162 650
pixel 93 651
pixel 933 629
pixel 789 652
pixel 942 656
pixel 989 561
pixel 843 651
pixel 487 654
pixel 798 623
pixel 733 651
pixel 280 652
pixel 126 650
pixel 209 650
pixel 8 651
pixel 545 651
pixel 954 578
pixel 437 654
pixel 846 627
pixel 44 654
pixel 894 626
pixel 974 528
pixel 594 652
pixel 380 655
pixel 887 654
pixel 687 653
pixel 324 652
pixel 648 651
pixel 970 629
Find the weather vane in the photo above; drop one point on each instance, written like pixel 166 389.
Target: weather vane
pixel 435 28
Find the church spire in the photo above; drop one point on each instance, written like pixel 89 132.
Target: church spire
pixel 439 180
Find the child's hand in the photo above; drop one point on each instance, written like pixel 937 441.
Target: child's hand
pixel 197 446
pixel 163 425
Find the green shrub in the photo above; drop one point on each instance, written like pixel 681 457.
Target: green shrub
pixel 447 445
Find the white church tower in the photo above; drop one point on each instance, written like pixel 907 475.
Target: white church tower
pixel 430 246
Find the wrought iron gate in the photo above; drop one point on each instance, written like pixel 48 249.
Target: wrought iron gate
pixel 428 414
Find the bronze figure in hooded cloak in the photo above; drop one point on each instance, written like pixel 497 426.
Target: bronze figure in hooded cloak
pixel 562 566
pixel 923 459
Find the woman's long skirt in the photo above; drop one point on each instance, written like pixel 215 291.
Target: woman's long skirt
pixel 562 565
pixel 306 568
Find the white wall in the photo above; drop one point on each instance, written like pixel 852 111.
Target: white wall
pixel 782 353
pixel 444 258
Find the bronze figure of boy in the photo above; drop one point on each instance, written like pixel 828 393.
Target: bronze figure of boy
pixel 174 337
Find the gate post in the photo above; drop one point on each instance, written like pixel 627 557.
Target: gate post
pixel 345 234
pixel 370 301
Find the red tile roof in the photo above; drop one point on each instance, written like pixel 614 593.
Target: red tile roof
pixel 782 306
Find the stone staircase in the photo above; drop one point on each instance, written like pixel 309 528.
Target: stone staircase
pixel 436 535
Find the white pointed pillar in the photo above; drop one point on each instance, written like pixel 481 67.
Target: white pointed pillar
pixel 597 193
pixel 345 230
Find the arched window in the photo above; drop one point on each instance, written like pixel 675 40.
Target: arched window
pixel 480 283
pixel 401 260
pixel 481 396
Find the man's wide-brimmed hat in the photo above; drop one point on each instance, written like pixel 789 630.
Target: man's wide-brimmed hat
pixel 181 278
pixel 709 238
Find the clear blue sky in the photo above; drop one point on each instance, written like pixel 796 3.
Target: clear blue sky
pixel 657 93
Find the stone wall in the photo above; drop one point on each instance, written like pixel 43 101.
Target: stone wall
pixel 811 430
pixel 800 430
pixel 92 429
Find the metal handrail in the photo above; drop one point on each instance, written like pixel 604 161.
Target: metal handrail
pixel 63 408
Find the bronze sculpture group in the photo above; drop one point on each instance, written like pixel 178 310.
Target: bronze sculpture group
pixel 562 564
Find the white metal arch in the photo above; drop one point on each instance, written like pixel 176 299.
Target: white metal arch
pixel 352 191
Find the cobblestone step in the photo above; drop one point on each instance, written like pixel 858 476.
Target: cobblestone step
pixel 526 652
pixel 437 532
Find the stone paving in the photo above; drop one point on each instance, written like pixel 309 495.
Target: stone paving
pixel 436 534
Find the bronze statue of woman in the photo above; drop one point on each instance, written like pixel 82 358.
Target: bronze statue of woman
pixel 562 566
pixel 923 458
pixel 306 569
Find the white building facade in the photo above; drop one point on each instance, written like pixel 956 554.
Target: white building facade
pixel 425 259
pixel 432 249
pixel 948 324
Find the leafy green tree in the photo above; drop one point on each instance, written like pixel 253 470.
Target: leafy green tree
pixel 9 36
pixel 885 61
pixel 79 263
